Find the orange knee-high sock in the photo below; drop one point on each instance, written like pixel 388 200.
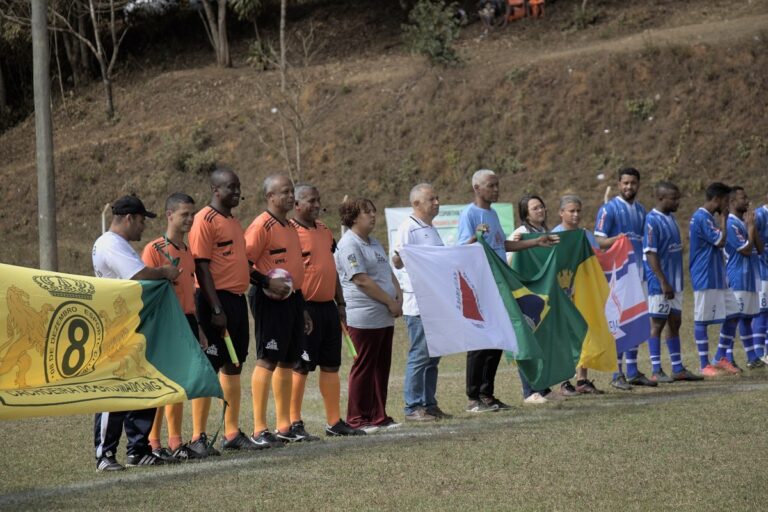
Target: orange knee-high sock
pixel 201 407
pixel 297 395
pixel 282 383
pixel 330 388
pixel 260 381
pixel 174 413
pixel 157 429
pixel 230 384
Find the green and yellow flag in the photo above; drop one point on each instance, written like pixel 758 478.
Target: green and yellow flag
pixel 73 344
pixel 581 277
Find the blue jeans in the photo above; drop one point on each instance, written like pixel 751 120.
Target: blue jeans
pixel 420 369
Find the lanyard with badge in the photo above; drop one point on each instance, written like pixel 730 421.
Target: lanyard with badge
pixel 174 261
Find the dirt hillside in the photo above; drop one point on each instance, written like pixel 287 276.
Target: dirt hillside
pixel 676 89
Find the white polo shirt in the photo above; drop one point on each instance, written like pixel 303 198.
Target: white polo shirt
pixel 413 232
pixel 114 258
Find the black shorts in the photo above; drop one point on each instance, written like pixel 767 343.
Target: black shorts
pixel 236 310
pixel 279 325
pixel 321 347
pixel 193 326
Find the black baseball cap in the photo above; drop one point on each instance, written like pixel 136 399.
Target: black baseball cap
pixel 127 205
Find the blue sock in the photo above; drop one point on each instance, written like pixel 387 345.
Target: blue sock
pixel 702 344
pixel 758 332
pixel 727 331
pixel 631 358
pixel 673 345
pixel 745 333
pixel 654 347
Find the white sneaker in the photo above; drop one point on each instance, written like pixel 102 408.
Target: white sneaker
pixel 536 399
pixel 369 429
pixel 392 426
pixel 764 359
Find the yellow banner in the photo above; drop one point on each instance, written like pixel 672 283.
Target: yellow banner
pixel 73 344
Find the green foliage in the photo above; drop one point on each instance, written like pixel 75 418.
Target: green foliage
pixel 584 15
pixel 641 108
pixel 193 154
pixel 431 30
pixel 247 9
pixel 516 75
pixel 261 55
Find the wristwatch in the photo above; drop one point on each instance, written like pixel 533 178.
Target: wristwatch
pixel 216 310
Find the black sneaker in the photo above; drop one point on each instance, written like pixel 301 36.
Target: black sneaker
pixel 166 455
pixel 144 460
pixel 184 453
pixel 757 363
pixel 686 375
pixel 108 463
pixel 266 439
pixel 587 387
pixel 340 428
pixel 661 377
pixel 480 406
pixel 493 401
pixel 201 448
pixel 239 442
pixel 567 389
pixel 297 429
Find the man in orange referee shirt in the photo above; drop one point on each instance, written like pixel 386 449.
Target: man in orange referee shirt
pixel 272 242
pixel 325 305
pixel 171 249
pixel 221 267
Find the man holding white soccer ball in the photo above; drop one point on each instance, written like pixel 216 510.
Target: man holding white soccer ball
pixel 277 305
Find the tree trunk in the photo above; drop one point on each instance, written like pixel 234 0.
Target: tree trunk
pixel 3 92
pixel 46 189
pixel 282 44
pixel 225 59
pixel 72 52
pixel 85 55
pixel 106 80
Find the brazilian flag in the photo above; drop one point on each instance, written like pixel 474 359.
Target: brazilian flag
pixel 537 303
pixel 73 344
pixel 582 279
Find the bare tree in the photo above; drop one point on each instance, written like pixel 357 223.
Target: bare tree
pixel 296 104
pixel 66 15
pixel 215 23
pixel 3 91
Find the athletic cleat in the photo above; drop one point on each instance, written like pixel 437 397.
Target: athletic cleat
pixel 535 399
pixel 754 364
pixel 587 387
pixel 567 389
pixel 710 372
pixel 108 463
pixel 144 460
pixel 201 448
pixel 493 401
pixel 287 437
pixel 239 442
pixel 686 375
pixel 727 366
pixel 340 428
pixel 297 427
pixel 184 453
pixel 661 378
pixel 480 406
pixel 764 359
pixel 265 439
pixel 621 383
pixel 166 455
pixel 641 380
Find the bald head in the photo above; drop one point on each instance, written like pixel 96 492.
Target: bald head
pixel 225 186
pixel 278 190
pixel 275 181
pixel 221 175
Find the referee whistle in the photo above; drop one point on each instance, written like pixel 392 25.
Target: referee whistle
pixel 231 349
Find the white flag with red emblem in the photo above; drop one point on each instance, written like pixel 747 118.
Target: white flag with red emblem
pixel 458 299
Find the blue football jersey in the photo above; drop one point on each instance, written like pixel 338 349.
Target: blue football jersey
pixel 705 260
pixel 662 236
pixel 761 221
pixel 743 271
pixel 618 216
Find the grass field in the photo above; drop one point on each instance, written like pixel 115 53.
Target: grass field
pixel 684 446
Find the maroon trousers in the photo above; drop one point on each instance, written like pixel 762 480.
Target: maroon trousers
pixel 369 377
